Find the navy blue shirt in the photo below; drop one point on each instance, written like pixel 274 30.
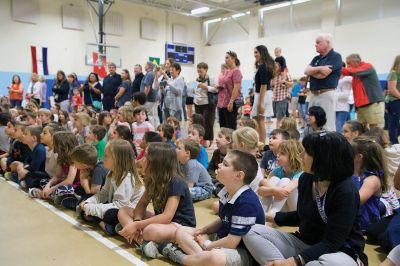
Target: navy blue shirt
pixel 268 161
pixel 89 95
pixel 111 84
pixel 239 213
pixel 38 159
pixel 331 81
pixel 184 214
pixel 127 96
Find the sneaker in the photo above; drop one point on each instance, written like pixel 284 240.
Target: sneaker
pixel 150 249
pixel 34 193
pixel 58 199
pixel 22 184
pixel 7 175
pixel 69 202
pixel 118 227
pixel 173 253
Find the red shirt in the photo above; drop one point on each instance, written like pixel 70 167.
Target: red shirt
pixel 14 94
pixel 76 100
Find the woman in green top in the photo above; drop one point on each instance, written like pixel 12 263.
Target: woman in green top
pixel 393 106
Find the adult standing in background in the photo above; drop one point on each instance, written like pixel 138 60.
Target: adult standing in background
pixel 151 93
pixel 324 71
pixel 265 72
pixel 205 100
pixel 61 90
pixel 92 91
pixel 394 100
pixel 110 87
pixel 16 91
pixel 229 90
pixel 43 94
pixel 138 78
pixel 368 94
pixel 281 82
pixel 343 92
pixel 34 90
pixel 280 59
pixel 173 93
pixel 124 90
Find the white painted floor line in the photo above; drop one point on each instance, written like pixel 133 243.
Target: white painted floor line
pixel 114 247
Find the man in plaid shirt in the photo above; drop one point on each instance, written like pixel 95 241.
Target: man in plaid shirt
pixel 282 82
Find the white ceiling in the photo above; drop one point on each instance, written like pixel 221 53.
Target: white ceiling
pixel 217 7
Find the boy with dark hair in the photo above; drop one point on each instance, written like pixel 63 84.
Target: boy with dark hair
pixel 197 177
pixel 220 242
pixel 196 132
pixel 30 117
pixel 92 174
pixel 268 161
pixel 139 99
pixel 97 134
pixel 166 132
pixel 26 172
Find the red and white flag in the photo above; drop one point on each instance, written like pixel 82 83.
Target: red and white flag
pixel 39 60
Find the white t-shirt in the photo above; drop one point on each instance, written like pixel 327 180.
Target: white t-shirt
pixel 343 92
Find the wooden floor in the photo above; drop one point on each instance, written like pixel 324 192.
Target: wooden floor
pixel 33 234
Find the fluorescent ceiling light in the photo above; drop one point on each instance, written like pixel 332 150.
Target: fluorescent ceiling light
pixel 248 12
pixel 200 10
pixel 213 21
pixel 238 15
pixel 224 19
pixel 295 2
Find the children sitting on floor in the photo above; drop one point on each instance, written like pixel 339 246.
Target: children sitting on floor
pixel 167 133
pixel 123 187
pixel 171 200
pixel 81 124
pixel 224 143
pixel 268 161
pixel 280 187
pixel 174 122
pixel 352 129
pixel 97 134
pixel 44 116
pixel 196 132
pixel 220 242
pixel 197 177
pixel 140 126
pixel 26 173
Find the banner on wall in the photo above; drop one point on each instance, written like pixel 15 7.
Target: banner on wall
pixel 100 69
pixel 155 60
pixel 39 60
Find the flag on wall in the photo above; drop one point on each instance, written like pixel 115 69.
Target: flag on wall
pixel 39 60
pixel 99 69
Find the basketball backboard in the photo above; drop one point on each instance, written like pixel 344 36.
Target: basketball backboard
pixel 101 54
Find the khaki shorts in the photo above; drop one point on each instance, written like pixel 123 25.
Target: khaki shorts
pixel 235 257
pixel 372 114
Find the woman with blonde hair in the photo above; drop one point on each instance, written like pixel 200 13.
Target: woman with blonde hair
pixel 393 106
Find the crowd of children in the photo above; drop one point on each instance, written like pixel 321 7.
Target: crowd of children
pixel 110 166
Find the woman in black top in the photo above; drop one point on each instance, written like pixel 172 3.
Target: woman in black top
pixel 61 90
pixel 262 80
pixel 327 212
pixel 92 91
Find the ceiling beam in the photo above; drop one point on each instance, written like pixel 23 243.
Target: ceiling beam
pixel 213 5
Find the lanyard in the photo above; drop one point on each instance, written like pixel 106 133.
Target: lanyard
pixel 321 206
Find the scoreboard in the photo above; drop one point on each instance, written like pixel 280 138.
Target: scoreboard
pixel 180 53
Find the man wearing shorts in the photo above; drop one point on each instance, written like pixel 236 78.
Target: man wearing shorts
pixel 367 91
pixel 324 72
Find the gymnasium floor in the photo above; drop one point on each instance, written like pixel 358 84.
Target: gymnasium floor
pixel 34 232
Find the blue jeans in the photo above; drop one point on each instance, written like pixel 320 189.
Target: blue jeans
pixel 393 108
pixel 15 103
pixel 303 111
pixel 341 118
pixel 200 193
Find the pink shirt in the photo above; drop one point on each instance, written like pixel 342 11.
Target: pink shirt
pixel 226 83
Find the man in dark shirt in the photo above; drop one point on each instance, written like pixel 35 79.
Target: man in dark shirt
pixel 110 87
pixel 324 72
pixel 138 79
pixel 147 87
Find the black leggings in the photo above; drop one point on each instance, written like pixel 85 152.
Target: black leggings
pixel 226 118
pixel 110 217
pixel 208 112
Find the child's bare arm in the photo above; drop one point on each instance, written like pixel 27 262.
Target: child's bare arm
pixel 165 217
pixel 211 228
pixel 140 210
pixel 292 185
pixel 230 241
pixel 70 177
